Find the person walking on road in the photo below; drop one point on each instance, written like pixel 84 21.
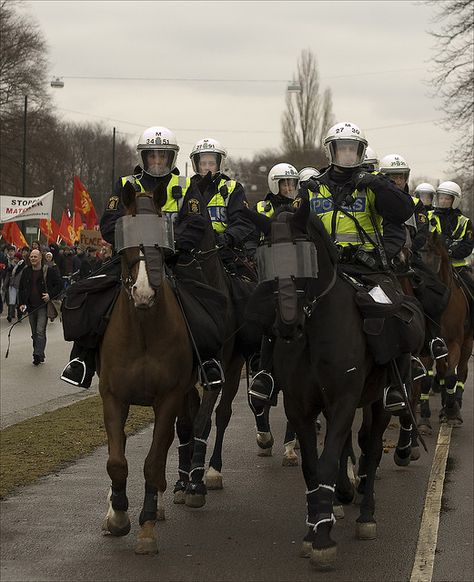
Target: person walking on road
pixel 37 287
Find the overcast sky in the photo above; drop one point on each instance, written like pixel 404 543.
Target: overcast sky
pixel 375 56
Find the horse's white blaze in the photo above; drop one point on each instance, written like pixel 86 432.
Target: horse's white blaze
pixel 142 293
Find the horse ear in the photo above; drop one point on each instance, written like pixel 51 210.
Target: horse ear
pixel 262 222
pixel 128 194
pixel 160 195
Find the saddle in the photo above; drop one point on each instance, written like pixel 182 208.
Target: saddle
pixel 394 323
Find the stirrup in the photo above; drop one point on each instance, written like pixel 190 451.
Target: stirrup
pixel 261 378
pixel 212 366
pixel 422 370
pixel 438 344
pixel 395 406
pixel 76 378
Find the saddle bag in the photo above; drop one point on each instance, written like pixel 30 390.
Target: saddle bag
pixel 205 309
pixel 86 309
pixel 432 293
pixel 393 328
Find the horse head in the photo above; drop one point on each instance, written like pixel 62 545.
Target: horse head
pixel 434 254
pixel 142 237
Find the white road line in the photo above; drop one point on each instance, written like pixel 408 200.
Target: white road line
pixel 428 537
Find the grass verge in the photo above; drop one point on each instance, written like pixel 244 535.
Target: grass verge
pixel 43 444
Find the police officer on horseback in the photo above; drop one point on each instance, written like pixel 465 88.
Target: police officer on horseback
pixel 225 199
pixel 447 219
pixel 425 192
pixel 352 203
pixel 157 152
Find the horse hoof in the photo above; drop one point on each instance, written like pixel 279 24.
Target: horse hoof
pixel 179 498
pixel 338 511
pixel 366 530
pixel 306 550
pixel 265 452
pixel 117 524
pixel 290 460
pixel 455 422
pixel 265 440
pixel 213 479
pixel 195 500
pixel 401 461
pixel 425 428
pixel 323 559
pixel 415 454
pixel 146 543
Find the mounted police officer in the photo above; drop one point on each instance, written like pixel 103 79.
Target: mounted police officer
pixel 352 205
pixel 371 160
pixel 225 199
pixel 446 218
pixel 157 151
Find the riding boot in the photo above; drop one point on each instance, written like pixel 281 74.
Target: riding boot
pixel 80 370
pixel 211 375
pixel 395 396
pixel 262 386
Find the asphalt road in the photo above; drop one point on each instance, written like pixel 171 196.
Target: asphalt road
pixel 252 530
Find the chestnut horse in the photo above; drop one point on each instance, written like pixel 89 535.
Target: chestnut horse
pixel 146 359
pixel 456 329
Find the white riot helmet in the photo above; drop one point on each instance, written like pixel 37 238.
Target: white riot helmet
pixel 371 158
pixel 425 192
pixel 450 189
pixel 208 145
pixel 282 172
pixel 159 139
pixel 308 173
pixel 394 164
pixel 345 145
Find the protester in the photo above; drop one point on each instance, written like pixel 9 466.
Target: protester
pixel 37 287
pixel 12 284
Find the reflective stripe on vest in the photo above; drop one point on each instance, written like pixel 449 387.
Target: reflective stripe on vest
pixel 345 231
pixel 265 207
pixel 457 234
pixel 217 206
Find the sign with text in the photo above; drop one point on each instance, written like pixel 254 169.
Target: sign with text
pixel 15 208
pixel 90 238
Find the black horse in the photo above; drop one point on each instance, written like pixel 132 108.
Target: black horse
pixel 194 422
pixel 323 363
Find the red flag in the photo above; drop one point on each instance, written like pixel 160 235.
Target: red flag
pixel 66 230
pixel 50 229
pixel 83 203
pixel 11 233
pixel 77 225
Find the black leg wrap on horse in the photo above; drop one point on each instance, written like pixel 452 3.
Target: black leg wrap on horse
pixel 199 456
pixel 119 499
pixel 149 509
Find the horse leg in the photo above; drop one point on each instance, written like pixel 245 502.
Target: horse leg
pixel 290 458
pixel 366 528
pixel 452 409
pixel 402 452
pixel 424 424
pixel 155 475
pixel 213 477
pixel 363 437
pixel 462 371
pixel 196 489
pixel 116 521
pixel 184 431
pixel 345 479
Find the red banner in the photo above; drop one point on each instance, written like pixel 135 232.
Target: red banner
pixel 11 233
pixel 83 203
pixel 50 229
pixel 66 230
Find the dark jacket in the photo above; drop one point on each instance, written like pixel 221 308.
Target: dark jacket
pixel 52 285
pixel 239 228
pixel 420 234
pixel 458 248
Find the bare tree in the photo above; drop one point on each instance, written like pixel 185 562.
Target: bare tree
pixel 305 122
pixel 454 73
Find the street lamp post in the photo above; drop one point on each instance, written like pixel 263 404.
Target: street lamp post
pixel 25 113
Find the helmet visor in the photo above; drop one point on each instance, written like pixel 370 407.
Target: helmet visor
pixel 207 162
pixel 158 162
pixel 346 153
pixel 287 187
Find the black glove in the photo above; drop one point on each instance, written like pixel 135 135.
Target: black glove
pixel 204 183
pixel 363 180
pixel 224 240
pixel 307 185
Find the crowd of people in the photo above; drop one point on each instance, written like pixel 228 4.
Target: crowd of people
pixel 32 276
